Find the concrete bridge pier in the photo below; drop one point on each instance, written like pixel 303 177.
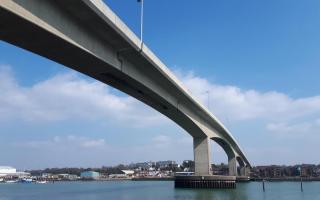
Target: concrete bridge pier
pixel 245 171
pixel 203 177
pixel 202 153
pixel 232 162
pixel 244 175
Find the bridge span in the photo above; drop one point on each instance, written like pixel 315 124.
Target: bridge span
pixel 85 35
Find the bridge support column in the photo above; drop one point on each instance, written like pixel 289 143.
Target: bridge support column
pixel 202 162
pixel 244 171
pixel 232 162
pixel 203 177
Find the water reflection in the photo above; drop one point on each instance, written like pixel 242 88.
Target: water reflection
pixel 207 194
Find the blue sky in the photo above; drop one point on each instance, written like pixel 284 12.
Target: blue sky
pixel 259 60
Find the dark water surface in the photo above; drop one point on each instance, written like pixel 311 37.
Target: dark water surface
pixel 155 190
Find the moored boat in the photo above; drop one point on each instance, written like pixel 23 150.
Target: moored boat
pixel 41 182
pixel 11 181
pixel 26 180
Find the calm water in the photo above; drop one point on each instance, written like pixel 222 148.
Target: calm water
pixel 125 190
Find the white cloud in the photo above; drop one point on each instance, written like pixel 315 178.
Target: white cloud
pixel 161 141
pixel 68 97
pixel 58 142
pixel 295 129
pixel 94 143
pixel 236 104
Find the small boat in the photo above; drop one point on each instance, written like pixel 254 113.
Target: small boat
pixel 26 180
pixel 11 181
pixel 41 182
pixel 1 180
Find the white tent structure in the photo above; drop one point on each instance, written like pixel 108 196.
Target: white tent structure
pixel 10 171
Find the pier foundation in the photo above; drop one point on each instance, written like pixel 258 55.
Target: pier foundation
pixel 212 181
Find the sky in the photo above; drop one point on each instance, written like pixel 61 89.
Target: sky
pixel 259 60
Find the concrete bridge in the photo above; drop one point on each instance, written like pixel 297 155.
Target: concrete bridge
pixel 85 35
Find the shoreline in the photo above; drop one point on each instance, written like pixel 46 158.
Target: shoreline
pixel 287 179
pixel 153 179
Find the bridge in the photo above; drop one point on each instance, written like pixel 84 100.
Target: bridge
pixel 85 35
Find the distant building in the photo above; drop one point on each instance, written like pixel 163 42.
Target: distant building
pixel 12 172
pixel 6 170
pixel 68 176
pixel 306 170
pixel 276 172
pixel 46 175
pixel 221 169
pixel 72 177
pixel 128 173
pixel 165 164
pixel 122 174
pixel 143 165
pixel 90 175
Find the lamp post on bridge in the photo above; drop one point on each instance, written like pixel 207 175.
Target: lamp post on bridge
pixel 208 93
pixel 141 23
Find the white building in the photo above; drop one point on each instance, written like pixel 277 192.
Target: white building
pixel 128 173
pixel 10 171
pixel 6 170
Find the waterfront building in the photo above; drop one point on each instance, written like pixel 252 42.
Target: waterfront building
pixel 68 176
pixel 307 170
pixel 128 173
pixel 46 175
pixel 144 165
pixel 90 175
pixel 165 164
pixel 276 172
pixel 122 174
pixel 6 170
pixel 118 176
pixel 221 169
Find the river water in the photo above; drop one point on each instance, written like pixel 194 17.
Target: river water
pixel 155 190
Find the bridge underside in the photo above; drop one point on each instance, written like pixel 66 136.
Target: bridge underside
pixel 86 36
